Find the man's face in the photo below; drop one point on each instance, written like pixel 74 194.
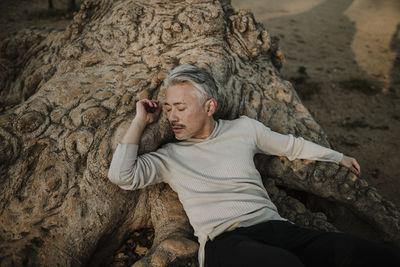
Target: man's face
pixel 185 112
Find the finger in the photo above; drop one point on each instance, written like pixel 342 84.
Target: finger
pixel 142 104
pixel 155 102
pixel 155 108
pixel 358 171
pixel 355 171
pixel 357 166
pixel 148 102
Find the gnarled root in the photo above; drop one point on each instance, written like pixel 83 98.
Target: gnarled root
pixel 174 240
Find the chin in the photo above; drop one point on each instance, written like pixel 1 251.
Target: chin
pixel 182 137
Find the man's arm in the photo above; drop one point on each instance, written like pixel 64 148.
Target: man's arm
pixel 292 147
pixel 147 111
pixel 127 170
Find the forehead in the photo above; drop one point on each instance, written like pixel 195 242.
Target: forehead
pixel 181 92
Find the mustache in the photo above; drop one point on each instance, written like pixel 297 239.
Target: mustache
pixel 173 124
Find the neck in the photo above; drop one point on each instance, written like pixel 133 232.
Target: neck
pixel 208 128
pixel 212 125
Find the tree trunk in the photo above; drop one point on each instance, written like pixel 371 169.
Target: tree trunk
pixel 69 96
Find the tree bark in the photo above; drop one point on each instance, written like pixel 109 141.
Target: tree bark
pixel 70 95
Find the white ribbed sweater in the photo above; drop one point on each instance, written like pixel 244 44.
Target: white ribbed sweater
pixel 215 178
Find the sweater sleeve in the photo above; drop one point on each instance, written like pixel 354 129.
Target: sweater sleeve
pixel 274 143
pixel 130 171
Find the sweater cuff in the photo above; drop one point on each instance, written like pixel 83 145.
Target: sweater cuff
pixel 338 157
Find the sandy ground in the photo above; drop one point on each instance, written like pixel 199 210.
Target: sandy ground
pixel 341 44
pixel 343 57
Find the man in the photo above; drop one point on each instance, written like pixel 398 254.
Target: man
pixel 212 170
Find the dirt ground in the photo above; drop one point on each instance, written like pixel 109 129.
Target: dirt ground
pixel 343 57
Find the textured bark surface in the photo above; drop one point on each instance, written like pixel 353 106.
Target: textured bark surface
pixel 67 97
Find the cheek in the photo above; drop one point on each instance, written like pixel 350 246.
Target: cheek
pixel 187 119
pixel 194 118
pixel 193 113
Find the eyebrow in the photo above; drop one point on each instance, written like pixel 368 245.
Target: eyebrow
pixel 175 104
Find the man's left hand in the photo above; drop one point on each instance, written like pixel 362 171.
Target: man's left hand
pixel 351 164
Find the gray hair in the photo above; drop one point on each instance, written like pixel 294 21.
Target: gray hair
pixel 203 81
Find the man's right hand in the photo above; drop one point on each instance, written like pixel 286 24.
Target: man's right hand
pixel 148 110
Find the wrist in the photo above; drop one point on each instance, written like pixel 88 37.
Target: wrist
pixel 134 132
pixel 341 157
pixel 139 123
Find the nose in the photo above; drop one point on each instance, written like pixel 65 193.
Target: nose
pixel 172 116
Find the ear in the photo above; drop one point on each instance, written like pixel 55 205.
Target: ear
pixel 211 106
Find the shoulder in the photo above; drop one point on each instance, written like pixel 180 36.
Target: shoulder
pixel 241 120
pixel 254 127
pixel 246 119
pixel 165 148
pixel 162 151
pixel 243 124
pixel 232 124
pixel 251 123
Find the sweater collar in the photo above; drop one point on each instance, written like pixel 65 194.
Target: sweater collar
pixel 213 134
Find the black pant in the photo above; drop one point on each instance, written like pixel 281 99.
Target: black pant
pixel 281 243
